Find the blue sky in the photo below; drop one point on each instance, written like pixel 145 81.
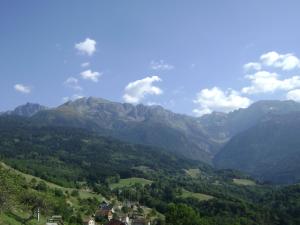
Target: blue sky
pixel 189 56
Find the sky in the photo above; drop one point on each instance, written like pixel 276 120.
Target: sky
pixel 191 57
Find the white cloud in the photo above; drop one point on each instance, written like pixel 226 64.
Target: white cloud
pixel 294 95
pixel 252 66
pixel 72 98
pixel 160 65
pixel 264 82
pixel 283 61
pixel 215 99
pixel 85 64
pixel 90 75
pixel 137 90
pixel 22 88
pixel 261 81
pixel 153 104
pixel 87 47
pixel 73 83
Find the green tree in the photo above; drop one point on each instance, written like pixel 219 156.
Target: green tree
pixel 42 186
pixel 75 193
pixel 179 214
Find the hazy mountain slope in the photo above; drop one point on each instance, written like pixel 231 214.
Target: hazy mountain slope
pixel 26 110
pixel 151 125
pixel 269 151
pixel 222 125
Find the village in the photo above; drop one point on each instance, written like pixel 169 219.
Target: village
pixel 107 214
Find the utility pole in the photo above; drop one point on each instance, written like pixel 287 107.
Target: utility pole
pixel 38 214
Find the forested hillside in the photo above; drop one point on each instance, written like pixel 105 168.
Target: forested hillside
pixel 64 155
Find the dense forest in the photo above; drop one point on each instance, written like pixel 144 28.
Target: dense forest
pixel 64 155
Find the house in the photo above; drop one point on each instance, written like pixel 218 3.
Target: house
pixel 55 220
pixel 115 222
pixel 89 221
pixel 103 213
pixel 106 206
pixel 125 219
pixel 103 204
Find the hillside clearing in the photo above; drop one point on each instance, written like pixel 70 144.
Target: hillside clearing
pixel 194 173
pixel 245 182
pixel 128 182
pixel 199 196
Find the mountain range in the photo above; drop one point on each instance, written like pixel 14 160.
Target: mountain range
pixel 148 125
pixel 227 140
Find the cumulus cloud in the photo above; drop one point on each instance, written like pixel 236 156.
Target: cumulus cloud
pixel 264 82
pixel 160 65
pixel 215 99
pixel 294 95
pixel 90 75
pixel 252 66
pixel 283 61
pixel 87 47
pixel 261 81
pixel 22 88
pixel 73 83
pixel 85 64
pixel 137 90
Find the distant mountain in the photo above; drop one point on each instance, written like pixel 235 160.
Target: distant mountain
pixel 222 125
pixel 27 110
pixel 150 125
pixel 270 150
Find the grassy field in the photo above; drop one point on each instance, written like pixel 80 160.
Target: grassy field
pixel 244 182
pixel 16 218
pixel 130 182
pixel 193 172
pixel 8 220
pixel 199 196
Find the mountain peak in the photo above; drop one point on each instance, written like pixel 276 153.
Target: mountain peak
pixel 27 110
pixel 86 101
pixel 275 106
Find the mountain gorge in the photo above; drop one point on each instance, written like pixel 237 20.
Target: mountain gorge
pixel 269 151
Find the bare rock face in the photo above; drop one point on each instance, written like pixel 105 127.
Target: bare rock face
pixel 27 110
